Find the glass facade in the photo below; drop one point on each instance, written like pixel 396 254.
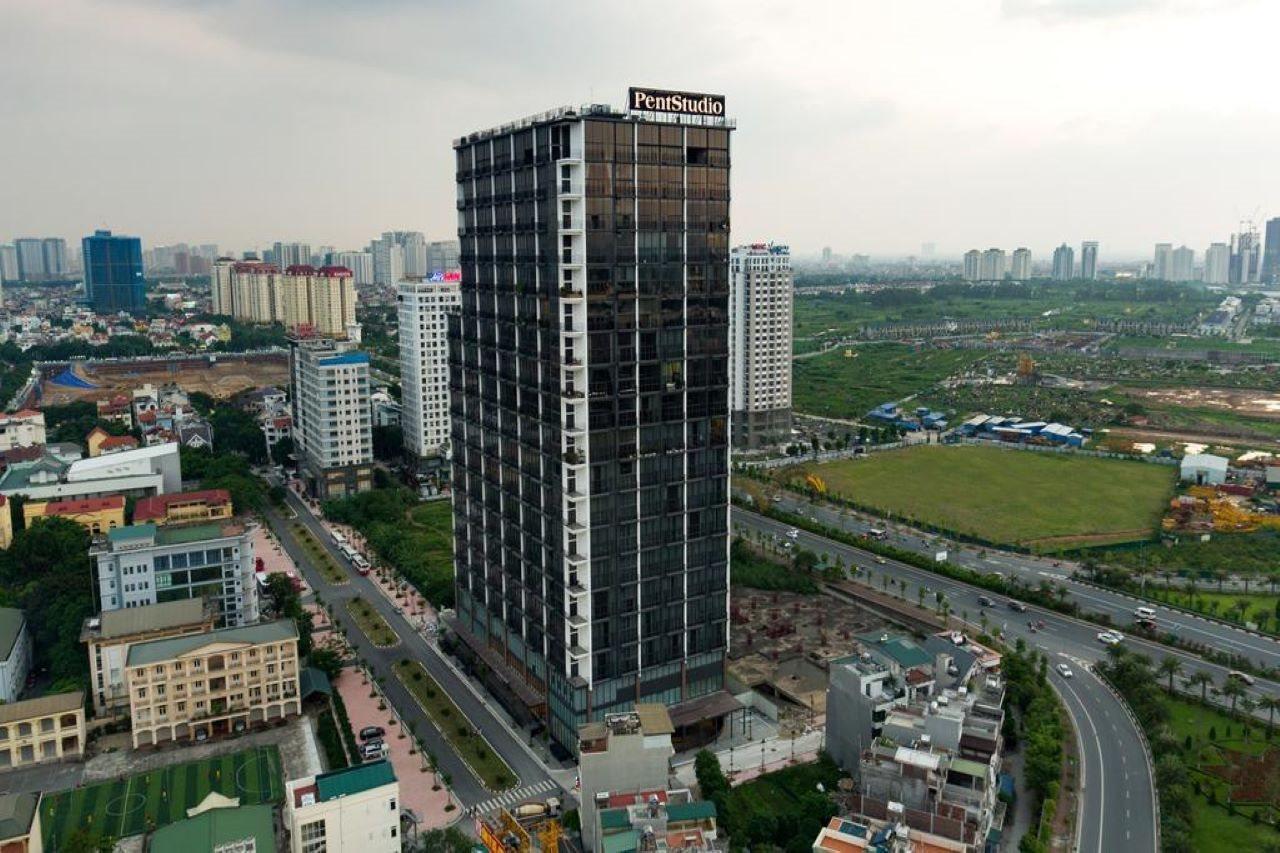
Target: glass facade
pixel 113 279
pixel 589 408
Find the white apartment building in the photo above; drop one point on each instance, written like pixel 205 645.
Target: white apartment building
pixel 761 295
pixel 1020 268
pixel 15 652
pixel 21 429
pixel 353 809
pixel 424 306
pixel 1217 263
pixel 144 564
pixel 360 264
pixel 972 265
pixel 993 266
pixel 333 436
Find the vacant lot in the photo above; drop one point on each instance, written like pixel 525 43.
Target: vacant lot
pixel 1039 500
pixel 836 386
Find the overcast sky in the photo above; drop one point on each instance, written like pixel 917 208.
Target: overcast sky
pixel 866 125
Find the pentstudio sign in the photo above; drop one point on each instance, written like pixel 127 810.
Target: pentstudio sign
pixel 686 103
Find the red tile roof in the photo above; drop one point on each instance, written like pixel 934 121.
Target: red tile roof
pixel 85 505
pixel 158 505
pixel 115 441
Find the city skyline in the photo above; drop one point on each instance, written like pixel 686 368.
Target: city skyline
pixel 349 138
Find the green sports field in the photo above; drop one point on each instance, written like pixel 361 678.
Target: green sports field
pixel 1046 501
pixel 124 807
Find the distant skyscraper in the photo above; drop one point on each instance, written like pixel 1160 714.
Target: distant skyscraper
pixel 303 299
pixel 1271 257
pixel 1162 264
pixel 54 250
pixel 826 254
pixel 972 265
pixel 442 255
pixel 992 265
pixel 360 264
pixel 1020 269
pixel 287 255
pixel 9 264
pixel 1064 263
pixel 113 277
pixel 424 307
pixel 30 258
pixel 928 250
pixel 1183 264
pixel 1089 259
pixel 1246 257
pixel 1217 264
pixel 388 259
pixel 761 292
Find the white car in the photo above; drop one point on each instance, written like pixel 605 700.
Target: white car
pixel 793 533
pixel 1064 670
pixel 1108 638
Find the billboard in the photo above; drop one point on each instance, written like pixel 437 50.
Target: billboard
pixel 684 103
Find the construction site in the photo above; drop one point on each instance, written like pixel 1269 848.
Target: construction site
pixel 533 827
pixel 220 375
pixel 780 644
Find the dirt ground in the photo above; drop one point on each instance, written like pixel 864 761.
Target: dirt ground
pixel 227 376
pixel 1243 401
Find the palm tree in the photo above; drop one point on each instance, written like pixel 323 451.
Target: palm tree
pixel 1169 667
pixel 1247 707
pixel 1202 678
pixel 1233 690
pixel 1270 704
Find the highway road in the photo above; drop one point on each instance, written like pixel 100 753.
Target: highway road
pixel 1092 599
pixel 531 772
pixel 1118 810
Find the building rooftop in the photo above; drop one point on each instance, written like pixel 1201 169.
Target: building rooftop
pixel 212 829
pixel 152 651
pixel 131 621
pixel 902 650
pixel 645 719
pixel 42 706
pixel 157 506
pixel 17 811
pixel 85 505
pixel 354 780
pixel 11 622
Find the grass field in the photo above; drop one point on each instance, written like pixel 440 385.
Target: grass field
pixel 837 387
pixel 371 623
pixel 1259 608
pixel 123 807
pixel 488 765
pixel 1039 500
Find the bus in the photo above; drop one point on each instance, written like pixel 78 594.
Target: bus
pixel 348 552
pixel 338 538
pixel 362 565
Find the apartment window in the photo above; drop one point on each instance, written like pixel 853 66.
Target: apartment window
pixel 313 837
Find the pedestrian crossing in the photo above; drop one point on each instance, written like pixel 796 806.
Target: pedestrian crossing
pixel 539 790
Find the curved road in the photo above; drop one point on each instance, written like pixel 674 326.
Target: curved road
pixel 1118 809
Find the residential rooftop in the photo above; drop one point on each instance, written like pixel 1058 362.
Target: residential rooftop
pixel 153 651
pixel 131 621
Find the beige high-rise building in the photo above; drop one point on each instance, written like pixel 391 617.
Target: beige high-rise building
pixel 201 685
pixel 301 298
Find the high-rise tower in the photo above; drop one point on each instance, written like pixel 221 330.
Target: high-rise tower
pixel 589 406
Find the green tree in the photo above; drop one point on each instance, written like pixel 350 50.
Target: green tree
pixel 1169 667
pixel 46 573
pixel 282 450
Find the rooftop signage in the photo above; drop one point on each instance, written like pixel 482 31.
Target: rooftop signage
pixel 684 103
pixel 446 275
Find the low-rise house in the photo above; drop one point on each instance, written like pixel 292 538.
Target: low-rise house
pixel 657 821
pixel 116 409
pixel 20 823
pixel 623 752
pixel 184 508
pixel 15 654
pixel 1204 469
pixel 132 473
pixel 107 639
pixel 21 429
pixel 198 686
pixel 357 808
pixel 47 728
pixel 97 515
pixel 100 442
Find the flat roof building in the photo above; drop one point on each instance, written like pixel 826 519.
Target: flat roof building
pixel 144 564
pixel 760 328
pixel 357 808
pixel 332 429
pixel 590 405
